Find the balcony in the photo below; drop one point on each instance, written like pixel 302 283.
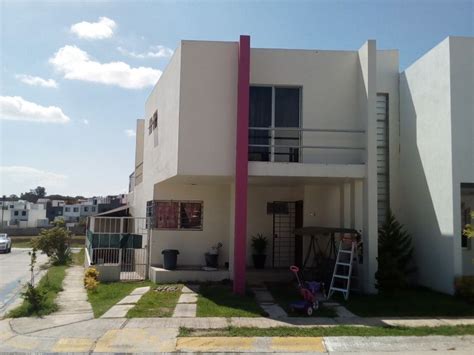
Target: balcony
pixel 306 145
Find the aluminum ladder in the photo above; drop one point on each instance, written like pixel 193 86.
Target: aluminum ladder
pixel 343 269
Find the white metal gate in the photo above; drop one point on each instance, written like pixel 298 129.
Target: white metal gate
pixel 133 264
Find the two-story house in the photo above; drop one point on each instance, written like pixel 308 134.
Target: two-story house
pixel 230 130
pixel 238 141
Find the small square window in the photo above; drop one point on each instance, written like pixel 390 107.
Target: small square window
pixel 76 209
pixel 86 209
pixel 16 213
pixel 93 209
pixel 155 119
pixel 23 213
pixel 150 125
pixel 68 209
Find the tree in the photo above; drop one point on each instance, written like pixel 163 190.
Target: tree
pixel 395 256
pixel 40 191
pixel 54 243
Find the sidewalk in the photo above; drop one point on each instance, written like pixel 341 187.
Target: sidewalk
pixel 53 334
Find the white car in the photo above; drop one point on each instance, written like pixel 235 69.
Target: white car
pixel 5 243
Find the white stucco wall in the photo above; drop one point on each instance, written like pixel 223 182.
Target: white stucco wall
pixel 160 153
pixel 426 167
pixel 208 108
pixel 193 244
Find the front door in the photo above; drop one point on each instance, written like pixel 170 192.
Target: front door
pixel 287 248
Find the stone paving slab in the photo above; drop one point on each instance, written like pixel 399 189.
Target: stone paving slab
pixel 93 328
pixel 130 299
pixel 140 291
pixel 190 288
pixel 187 298
pixel 344 312
pixel 273 310
pixel 263 296
pixel 185 310
pixel 118 311
pixel 74 345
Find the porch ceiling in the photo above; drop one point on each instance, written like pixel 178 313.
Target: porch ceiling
pixel 295 181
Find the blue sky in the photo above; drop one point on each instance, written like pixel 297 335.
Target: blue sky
pixel 68 115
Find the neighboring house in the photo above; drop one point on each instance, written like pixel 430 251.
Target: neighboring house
pixel 72 213
pixel 23 214
pixel 437 160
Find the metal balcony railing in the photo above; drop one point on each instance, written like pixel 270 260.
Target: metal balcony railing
pixel 293 144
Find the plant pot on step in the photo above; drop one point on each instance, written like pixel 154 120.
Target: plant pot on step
pixel 211 260
pixel 259 261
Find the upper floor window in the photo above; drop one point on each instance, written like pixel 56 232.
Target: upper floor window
pixel 176 215
pixel 23 213
pixel 274 123
pixel 15 213
pixel 86 209
pixel 93 209
pixel 67 209
pixel 153 122
pixel 76 209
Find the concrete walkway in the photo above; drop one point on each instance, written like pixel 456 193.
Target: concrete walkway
pixel 266 301
pixel 187 302
pixel 127 303
pixel 73 299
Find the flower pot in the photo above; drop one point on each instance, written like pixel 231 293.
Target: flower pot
pixel 211 260
pixel 259 261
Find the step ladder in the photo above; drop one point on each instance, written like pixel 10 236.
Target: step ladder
pixel 346 262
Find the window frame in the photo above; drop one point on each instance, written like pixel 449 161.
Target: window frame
pixel 152 210
pixel 272 126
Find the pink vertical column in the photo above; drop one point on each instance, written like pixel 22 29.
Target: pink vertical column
pixel 241 165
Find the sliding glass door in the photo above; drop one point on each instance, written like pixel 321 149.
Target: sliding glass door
pixel 274 133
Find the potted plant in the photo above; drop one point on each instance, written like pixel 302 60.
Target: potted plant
pixel 259 245
pixel 212 256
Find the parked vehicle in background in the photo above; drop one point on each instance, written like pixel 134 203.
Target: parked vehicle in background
pixel 5 243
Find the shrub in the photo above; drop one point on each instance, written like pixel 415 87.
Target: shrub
pixel 91 279
pixel 54 243
pixel 464 286
pixel 395 254
pixel 35 297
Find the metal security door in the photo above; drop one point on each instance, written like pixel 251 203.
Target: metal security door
pixel 283 234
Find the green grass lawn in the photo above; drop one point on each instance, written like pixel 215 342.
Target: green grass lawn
pixel 155 304
pixel 285 293
pixel 24 241
pixel 51 284
pixel 217 300
pixel 340 330
pixel 108 294
pixel 418 302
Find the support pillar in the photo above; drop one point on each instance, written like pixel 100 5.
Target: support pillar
pixel 241 165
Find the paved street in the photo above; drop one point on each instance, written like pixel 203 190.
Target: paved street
pixel 14 272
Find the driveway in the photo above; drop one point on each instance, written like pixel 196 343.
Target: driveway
pixel 14 272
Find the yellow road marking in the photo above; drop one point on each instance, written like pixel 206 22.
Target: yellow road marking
pixel 290 344
pixel 73 345
pixel 214 343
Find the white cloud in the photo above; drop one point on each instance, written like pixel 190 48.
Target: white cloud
pixel 130 133
pixel 15 108
pixel 23 178
pixel 37 81
pixel 154 52
pixel 76 64
pixel 86 122
pixel 104 28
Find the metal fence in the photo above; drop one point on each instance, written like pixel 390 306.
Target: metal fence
pixel 130 264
